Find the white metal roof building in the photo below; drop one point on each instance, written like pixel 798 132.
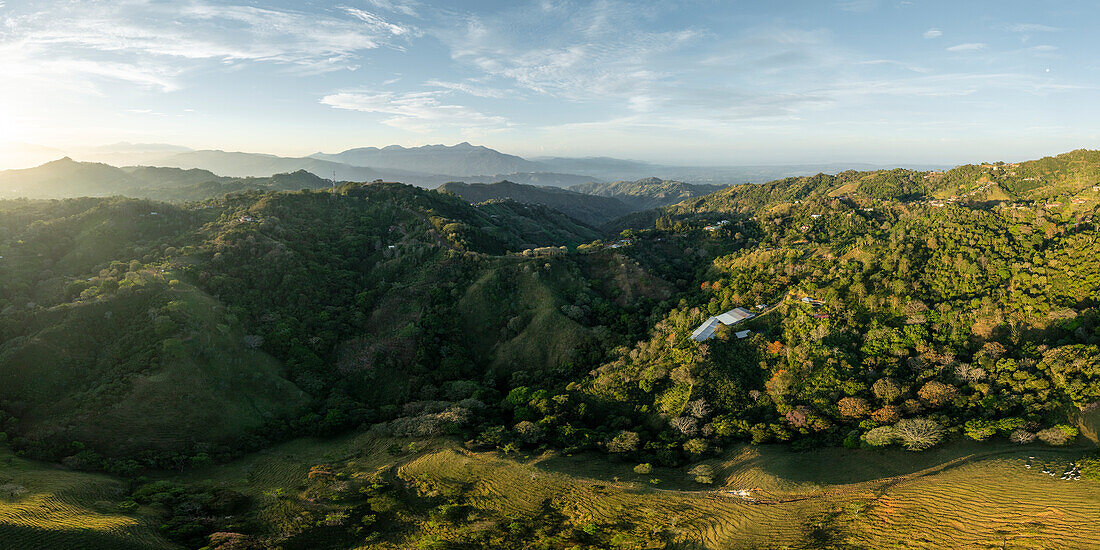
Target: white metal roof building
pixel 731 317
pixel 705 330
pixel 735 315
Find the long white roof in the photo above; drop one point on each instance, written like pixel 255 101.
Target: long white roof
pixel 735 315
pixel 705 330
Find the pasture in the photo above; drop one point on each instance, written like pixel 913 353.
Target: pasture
pixel 965 495
pixel 45 507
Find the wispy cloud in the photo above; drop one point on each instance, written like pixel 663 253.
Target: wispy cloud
pixel 1030 27
pixel 468 88
pixel 404 8
pixel 414 111
pixel 968 47
pixel 858 5
pixel 152 43
pixel 598 50
pixel 932 33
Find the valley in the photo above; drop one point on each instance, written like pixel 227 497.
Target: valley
pixel 376 365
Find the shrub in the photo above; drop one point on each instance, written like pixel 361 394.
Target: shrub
pixel 703 473
pixel 643 468
pixel 1057 435
pixel 980 430
pixel 696 446
pixel 881 436
pixel 624 442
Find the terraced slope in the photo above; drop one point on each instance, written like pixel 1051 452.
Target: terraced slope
pixel 43 507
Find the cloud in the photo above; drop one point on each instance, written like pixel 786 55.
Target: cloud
pixel 968 47
pixel 414 111
pixel 468 88
pixel 1030 27
pixel 932 33
pixel 404 8
pixel 595 50
pixel 1043 48
pixel 858 5
pixel 152 44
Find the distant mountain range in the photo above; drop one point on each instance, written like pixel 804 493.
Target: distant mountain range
pixel 433 165
pixel 68 178
pixel 462 159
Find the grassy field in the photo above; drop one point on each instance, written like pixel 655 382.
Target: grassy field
pixel 44 507
pixel 965 495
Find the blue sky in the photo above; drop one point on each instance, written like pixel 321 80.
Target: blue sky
pixel 708 82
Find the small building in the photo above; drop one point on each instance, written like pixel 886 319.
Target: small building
pixel 742 334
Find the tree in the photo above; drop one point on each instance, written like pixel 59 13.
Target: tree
pixel 888 414
pixel 918 434
pixel 799 417
pixel 937 394
pixel 853 407
pixel 685 424
pixel 886 389
pixel 1021 436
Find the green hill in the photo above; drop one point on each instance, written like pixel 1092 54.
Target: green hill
pixel 590 209
pixel 648 193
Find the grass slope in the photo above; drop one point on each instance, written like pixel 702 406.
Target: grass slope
pixel 44 507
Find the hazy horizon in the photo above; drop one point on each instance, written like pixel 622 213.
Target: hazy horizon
pixel 687 83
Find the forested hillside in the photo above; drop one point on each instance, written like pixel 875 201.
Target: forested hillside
pixel 894 309
pixel 591 209
pixel 648 193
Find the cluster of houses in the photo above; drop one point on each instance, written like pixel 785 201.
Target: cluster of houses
pixel 717 226
pixel 732 317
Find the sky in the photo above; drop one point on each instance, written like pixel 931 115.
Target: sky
pixel 704 82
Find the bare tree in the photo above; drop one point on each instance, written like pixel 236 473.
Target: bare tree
pixel 685 424
pixel 918 434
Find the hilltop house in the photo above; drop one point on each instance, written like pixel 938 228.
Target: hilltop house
pixel 707 329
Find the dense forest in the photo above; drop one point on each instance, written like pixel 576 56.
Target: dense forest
pixel 894 308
